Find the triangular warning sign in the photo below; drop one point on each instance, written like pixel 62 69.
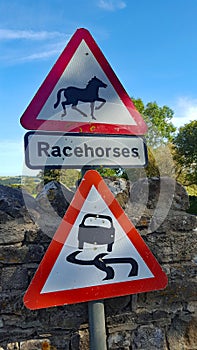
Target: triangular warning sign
pixel 82 94
pixel 96 253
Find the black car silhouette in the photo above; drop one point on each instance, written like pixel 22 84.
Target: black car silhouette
pixel 96 229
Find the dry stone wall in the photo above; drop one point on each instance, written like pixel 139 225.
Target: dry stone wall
pixel 159 320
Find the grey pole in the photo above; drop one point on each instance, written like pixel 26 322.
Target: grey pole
pixel 96 314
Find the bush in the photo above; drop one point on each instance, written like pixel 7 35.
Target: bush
pixel 193 205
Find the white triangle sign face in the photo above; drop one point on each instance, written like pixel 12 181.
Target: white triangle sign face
pixel 96 253
pixel 82 94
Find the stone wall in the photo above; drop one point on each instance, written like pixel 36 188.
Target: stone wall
pixel 159 320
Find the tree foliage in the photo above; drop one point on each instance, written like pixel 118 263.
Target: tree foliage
pixel 158 138
pixel 158 119
pixel 185 156
pixel 68 177
pixel 150 170
pixel 111 172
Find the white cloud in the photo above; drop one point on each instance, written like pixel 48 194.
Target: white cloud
pixel 48 50
pixel 39 56
pixel 185 110
pixel 9 34
pixel 38 45
pixel 111 5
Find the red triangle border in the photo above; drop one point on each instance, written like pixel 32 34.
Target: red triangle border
pixel 33 299
pixel 29 118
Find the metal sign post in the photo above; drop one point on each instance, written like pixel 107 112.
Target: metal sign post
pixel 96 311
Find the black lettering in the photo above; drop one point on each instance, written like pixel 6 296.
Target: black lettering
pixel 135 152
pixel 125 152
pixel 65 151
pixel 108 149
pixel 99 152
pixel 78 152
pixel 116 152
pixel 87 149
pixel 43 147
pixel 56 151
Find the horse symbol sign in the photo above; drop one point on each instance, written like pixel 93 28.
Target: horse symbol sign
pixel 82 94
pixel 89 94
pixel 96 253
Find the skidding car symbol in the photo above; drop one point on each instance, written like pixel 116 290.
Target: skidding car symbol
pixel 96 229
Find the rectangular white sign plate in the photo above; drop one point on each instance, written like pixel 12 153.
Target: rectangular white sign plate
pixel 60 150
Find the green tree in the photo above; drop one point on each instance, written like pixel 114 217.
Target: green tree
pixel 134 174
pixel 48 175
pixel 158 138
pixel 158 119
pixel 164 161
pixel 111 172
pixel 67 177
pixel 30 184
pixel 185 154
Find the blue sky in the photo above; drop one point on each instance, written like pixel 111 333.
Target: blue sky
pixel 150 44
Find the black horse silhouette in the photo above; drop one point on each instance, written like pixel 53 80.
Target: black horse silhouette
pixel 89 94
